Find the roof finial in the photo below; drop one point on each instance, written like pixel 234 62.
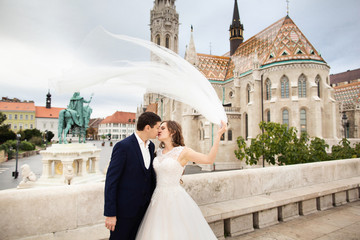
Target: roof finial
pixel 210 48
pixel 287 7
pixel 192 29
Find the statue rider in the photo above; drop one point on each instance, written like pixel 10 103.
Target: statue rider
pixel 76 108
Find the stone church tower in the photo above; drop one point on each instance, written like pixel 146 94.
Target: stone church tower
pixel 164 24
pixel 164 29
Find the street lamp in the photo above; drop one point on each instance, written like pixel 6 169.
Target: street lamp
pixel 46 132
pixel 344 121
pixel 16 173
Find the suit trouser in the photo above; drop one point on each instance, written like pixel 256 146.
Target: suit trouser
pixel 126 228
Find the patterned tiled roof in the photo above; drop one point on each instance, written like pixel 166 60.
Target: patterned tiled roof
pixel 347 76
pixel 348 94
pixel 213 67
pixel 43 112
pixel 17 106
pixel 282 41
pixel 120 117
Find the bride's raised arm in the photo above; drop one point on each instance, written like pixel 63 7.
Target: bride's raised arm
pixel 200 158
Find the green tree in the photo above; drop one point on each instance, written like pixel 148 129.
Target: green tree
pixel 5 132
pixel 295 150
pixel 343 150
pixel 317 150
pixel 277 144
pixel 49 135
pixel 2 118
pixel 30 133
pixel 357 149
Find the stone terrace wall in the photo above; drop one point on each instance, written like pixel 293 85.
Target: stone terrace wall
pixel 76 211
pixel 228 185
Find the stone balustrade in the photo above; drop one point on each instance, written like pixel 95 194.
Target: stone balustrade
pixel 236 202
pixel 233 202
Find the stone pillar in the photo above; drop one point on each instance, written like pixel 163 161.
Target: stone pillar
pixel 46 169
pixel 95 164
pixel 83 171
pixel 308 206
pixel 288 212
pixel 266 218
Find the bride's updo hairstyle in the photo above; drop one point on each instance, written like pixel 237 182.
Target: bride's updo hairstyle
pixel 175 130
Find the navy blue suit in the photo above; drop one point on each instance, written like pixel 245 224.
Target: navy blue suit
pixel 128 187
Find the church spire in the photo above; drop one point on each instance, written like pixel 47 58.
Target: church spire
pixel 190 54
pixel 236 30
pixel 48 100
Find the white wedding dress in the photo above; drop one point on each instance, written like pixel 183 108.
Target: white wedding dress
pixel 172 213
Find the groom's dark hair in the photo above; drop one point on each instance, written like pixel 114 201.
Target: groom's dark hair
pixel 147 118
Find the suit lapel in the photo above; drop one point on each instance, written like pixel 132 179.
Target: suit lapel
pixel 151 150
pixel 138 152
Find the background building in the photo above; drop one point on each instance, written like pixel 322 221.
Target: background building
pixel 47 118
pixel 118 126
pixel 93 130
pixel 347 93
pixel 19 114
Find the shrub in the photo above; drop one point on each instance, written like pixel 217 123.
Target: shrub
pixel 36 141
pixel 27 146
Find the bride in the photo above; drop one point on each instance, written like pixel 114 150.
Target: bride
pixel 172 213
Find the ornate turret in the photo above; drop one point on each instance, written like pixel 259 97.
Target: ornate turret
pixel 48 100
pixel 190 54
pixel 164 24
pixel 236 30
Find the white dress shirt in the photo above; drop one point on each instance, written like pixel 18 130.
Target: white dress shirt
pixel 144 147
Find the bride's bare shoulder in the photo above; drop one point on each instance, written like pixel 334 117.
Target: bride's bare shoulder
pixel 185 152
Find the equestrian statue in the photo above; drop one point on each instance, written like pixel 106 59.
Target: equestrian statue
pixel 75 117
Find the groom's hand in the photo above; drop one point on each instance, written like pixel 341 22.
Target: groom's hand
pixel 110 223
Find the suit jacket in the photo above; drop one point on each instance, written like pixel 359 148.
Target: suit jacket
pixel 129 185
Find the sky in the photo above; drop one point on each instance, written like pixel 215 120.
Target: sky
pixel 40 39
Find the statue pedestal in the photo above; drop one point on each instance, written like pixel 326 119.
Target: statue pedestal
pixel 65 164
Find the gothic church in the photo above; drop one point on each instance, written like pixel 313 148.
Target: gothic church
pixel 276 75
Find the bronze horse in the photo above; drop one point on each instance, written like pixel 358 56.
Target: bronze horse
pixel 66 122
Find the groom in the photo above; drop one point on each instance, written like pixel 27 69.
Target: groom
pixel 130 179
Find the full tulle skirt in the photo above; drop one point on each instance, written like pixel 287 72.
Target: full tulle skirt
pixel 173 215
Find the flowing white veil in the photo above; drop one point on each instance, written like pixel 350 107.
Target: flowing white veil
pixel 171 75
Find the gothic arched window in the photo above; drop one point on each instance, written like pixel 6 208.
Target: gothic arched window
pixel 246 127
pixel 158 40
pixel 302 86
pixel 285 117
pixel 302 120
pixel 248 93
pixel 229 135
pixel 167 41
pixel 268 89
pixel 318 83
pixel 284 87
pixel 268 116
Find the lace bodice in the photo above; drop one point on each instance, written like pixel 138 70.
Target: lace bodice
pixel 168 169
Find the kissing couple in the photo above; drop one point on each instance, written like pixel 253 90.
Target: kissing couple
pixel 143 196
